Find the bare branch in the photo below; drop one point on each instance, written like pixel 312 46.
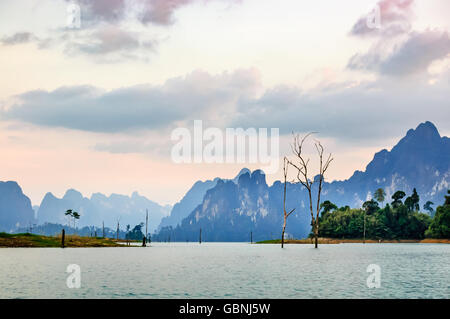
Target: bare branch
pixel 301 165
pixel 285 214
pixel 292 210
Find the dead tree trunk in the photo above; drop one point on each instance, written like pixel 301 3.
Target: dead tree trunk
pixel 146 223
pixel 285 214
pixel 316 235
pixel 303 178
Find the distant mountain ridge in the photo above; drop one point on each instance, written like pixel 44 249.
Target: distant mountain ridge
pixel 15 207
pixel 16 210
pixel 191 200
pixel 420 160
pixel 110 209
pixel 230 211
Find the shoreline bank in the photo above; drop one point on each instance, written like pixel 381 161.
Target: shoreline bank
pixel 325 241
pixel 27 240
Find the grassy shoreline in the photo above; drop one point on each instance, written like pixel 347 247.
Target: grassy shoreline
pixel 39 241
pixel 351 241
pixel 27 240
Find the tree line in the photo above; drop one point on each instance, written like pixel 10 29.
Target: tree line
pixel 400 219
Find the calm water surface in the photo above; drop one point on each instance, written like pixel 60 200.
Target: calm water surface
pixel 228 270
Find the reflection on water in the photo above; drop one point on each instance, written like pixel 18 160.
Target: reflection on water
pixel 228 270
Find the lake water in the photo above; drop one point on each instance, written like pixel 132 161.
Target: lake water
pixel 228 270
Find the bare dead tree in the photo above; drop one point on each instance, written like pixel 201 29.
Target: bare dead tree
pixel 146 224
pixel 285 213
pixel 301 164
pixel 118 225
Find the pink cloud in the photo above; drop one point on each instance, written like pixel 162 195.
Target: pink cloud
pixel 149 11
pixel 395 17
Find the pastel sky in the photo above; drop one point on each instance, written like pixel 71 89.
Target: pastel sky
pixel 93 108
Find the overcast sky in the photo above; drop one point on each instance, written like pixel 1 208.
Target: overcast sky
pixel 93 108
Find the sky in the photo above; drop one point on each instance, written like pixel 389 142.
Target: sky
pixel 93 106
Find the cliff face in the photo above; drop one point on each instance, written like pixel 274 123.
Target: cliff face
pixel 191 200
pixel 100 208
pixel 15 207
pixel 420 160
pixel 231 210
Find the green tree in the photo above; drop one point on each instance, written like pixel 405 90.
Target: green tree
pixel 428 207
pixel 76 217
pixel 397 198
pixel 409 204
pixel 69 215
pixel 327 206
pixel 136 232
pixel 417 225
pixel 412 202
pixel 415 200
pixel 370 206
pixel 387 222
pixel 380 195
pixel 440 225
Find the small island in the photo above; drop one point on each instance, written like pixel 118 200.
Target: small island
pixel 39 241
pixel 400 222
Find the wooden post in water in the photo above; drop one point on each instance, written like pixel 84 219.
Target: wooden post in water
pixel 251 237
pixel 63 235
pixel 200 239
pixel 146 223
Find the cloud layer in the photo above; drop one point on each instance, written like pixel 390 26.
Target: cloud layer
pixel 413 55
pixel 359 114
pixel 119 30
pixel 237 99
pixel 159 12
pixel 394 17
pixel 18 38
pixel 198 95
pixel 397 50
